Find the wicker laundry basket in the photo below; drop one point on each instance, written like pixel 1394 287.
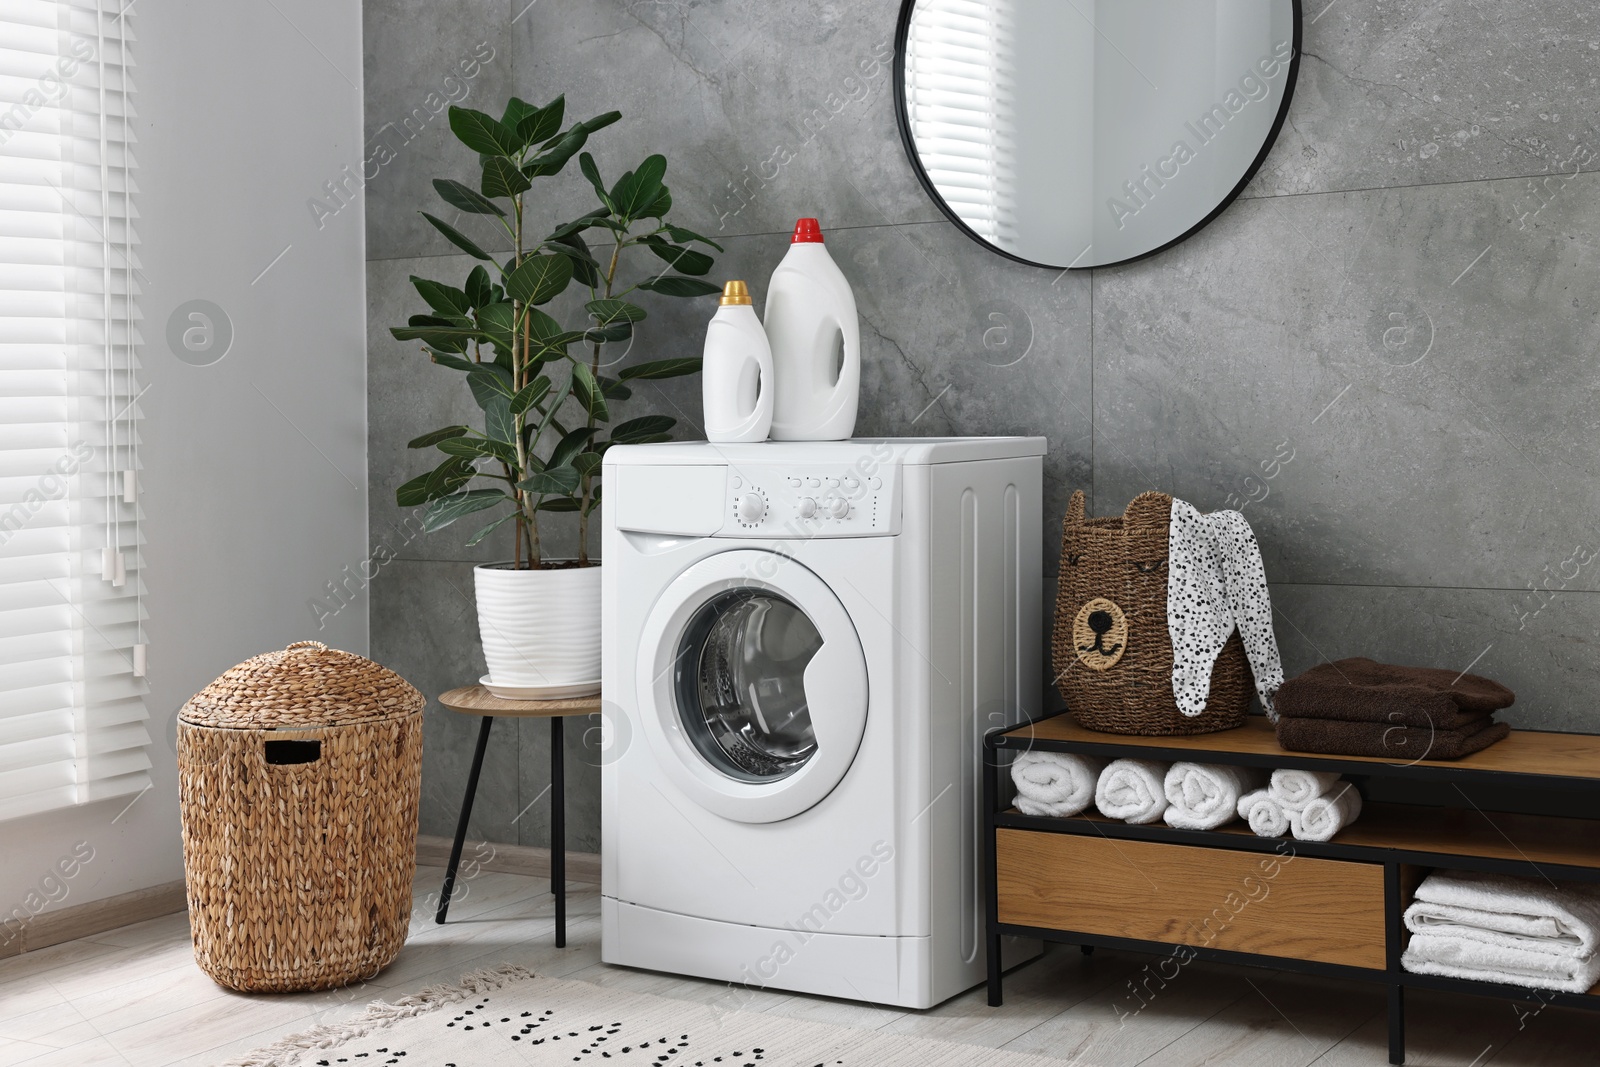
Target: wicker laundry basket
pixel 299 776
pixel 1112 651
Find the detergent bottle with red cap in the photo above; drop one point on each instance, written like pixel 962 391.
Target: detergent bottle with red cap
pixel 816 343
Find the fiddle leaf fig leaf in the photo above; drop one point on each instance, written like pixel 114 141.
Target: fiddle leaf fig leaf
pixel 541 124
pixel 610 309
pixel 588 392
pixel 682 259
pixel 457 238
pixel 677 285
pixel 483 133
pixel 489 529
pixel 643 429
pixel 661 368
pixel 442 298
pixel 684 236
pixel 465 198
pixel 478 287
pixel 429 439
pixel 551 480
pixel 637 189
pixel 587 165
pixel 538 278
pixel 502 178
pixel 572 444
pixel 530 395
pixel 445 510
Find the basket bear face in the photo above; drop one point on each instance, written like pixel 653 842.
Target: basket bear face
pixel 1112 651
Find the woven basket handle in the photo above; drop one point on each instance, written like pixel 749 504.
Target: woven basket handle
pixel 318 645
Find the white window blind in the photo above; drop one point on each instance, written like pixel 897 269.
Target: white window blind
pixel 72 715
pixel 958 102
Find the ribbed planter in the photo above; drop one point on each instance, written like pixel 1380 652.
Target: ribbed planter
pixel 540 628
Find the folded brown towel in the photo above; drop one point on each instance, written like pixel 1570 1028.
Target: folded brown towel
pixel 1361 690
pixel 1331 737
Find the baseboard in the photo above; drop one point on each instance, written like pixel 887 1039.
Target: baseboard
pixel 508 859
pixel 96 917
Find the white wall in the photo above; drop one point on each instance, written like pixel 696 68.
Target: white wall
pixel 254 466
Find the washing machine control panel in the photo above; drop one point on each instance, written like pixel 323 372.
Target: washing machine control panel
pixel 830 499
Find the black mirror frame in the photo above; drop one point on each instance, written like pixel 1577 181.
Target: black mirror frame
pixel 902 120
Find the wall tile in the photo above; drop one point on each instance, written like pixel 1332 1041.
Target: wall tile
pixel 1405 373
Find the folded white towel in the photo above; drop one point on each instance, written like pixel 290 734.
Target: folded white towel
pixel 1326 815
pixel 1460 957
pixel 1132 790
pixel 1204 796
pixel 1054 783
pixel 1264 813
pixel 1525 914
pixel 1296 789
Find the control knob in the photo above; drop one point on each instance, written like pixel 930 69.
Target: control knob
pixel 751 507
pixel 838 507
pixel 808 508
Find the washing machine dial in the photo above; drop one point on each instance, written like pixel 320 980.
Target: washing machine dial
pixel 838 507
pixel 808 508
pixel 752 507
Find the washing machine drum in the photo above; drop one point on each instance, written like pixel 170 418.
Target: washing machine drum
pixel 753 686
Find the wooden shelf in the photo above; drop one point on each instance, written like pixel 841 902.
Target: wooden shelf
pixel 1545 840
pixel 1529 753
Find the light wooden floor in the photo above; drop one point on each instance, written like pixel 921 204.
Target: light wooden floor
pixel 133 997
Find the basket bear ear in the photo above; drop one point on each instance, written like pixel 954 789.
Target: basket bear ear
pixel 1075 509
pixel 1148 509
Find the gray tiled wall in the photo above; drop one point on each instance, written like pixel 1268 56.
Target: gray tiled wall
pixel 1398 322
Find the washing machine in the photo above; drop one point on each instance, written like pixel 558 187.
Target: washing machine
pixel 804 643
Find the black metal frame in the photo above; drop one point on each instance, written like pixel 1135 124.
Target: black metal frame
pixel 558 824
pixel 1393 860
pixel 902 120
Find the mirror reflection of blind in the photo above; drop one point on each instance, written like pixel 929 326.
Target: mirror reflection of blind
pixel 958 101
pixel 72 715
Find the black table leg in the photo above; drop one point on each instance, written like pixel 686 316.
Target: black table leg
pixel 1397 1023
pixel 995 992
pixel 558 827
pixel 461 825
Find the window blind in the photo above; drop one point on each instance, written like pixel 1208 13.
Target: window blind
pixel 958 102
pixel 72 715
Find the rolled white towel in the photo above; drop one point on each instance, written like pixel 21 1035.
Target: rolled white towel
pixel 1264 813
pixel 1326 815
pixel 1132 790
pixel 1460 957
pixel 1500 909
pixel 1296 789
pixel 1054 783
pixel 1204 796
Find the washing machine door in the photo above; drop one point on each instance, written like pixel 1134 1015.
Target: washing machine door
pixel 752 686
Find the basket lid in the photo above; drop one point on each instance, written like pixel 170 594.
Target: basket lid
pixel 305 684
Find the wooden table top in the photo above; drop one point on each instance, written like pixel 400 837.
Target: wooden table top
pixel 476 700
pixel 1523 752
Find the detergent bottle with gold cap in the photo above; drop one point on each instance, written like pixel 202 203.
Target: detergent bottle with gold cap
pixel 736 376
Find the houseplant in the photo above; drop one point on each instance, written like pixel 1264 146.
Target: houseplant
pixel 547 407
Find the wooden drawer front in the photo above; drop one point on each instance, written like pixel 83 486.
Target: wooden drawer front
pixel 1275 905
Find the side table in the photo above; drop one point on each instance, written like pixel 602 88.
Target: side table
pixel 476 700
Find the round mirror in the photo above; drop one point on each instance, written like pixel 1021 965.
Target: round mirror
pixel 1082 133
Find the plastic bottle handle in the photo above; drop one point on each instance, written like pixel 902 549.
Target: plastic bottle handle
pixel 836 320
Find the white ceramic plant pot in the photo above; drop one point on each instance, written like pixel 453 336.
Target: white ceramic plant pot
pixel 540 628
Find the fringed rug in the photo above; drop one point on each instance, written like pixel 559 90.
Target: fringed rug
pixel 508 1015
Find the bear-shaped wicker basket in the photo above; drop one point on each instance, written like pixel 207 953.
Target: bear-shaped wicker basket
pixel 1112 650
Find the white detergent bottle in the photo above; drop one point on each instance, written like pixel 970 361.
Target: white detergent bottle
pixel 816 343
pixel 736 377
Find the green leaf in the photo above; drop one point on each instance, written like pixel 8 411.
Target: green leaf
pixel 499 424
pixel 572 444
pixel 584 266
pixel 612 389
pixel 445 510
pixel 559 503
pixel 587 463
pixel 604 335
pixel 530 394
pixel 588 393
pixel 478 287
pixel 465 197
pixel 635 431
pixel 599 122
pixel 594 499
pixel 578 225
pixel 550 339
pixel 659 207
pixel 538 278
pixel 541 124
pixel 516 110
pixel 683 236
pixel 592 172
pixel 457 238
pixel 637 189
pixel 442 298
pixel 489 529
pixel 449 476
pixel 445 359
pixel 610 309
pixel 559 151
pixel 489 382
pixel 446 338
pixel 498 324
pixel 684 259
pixel 502 178
pixel 661 368
pixel 677 285
pixel 482 133
pixel 478 447
pixel 429 439
pixel 549 481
